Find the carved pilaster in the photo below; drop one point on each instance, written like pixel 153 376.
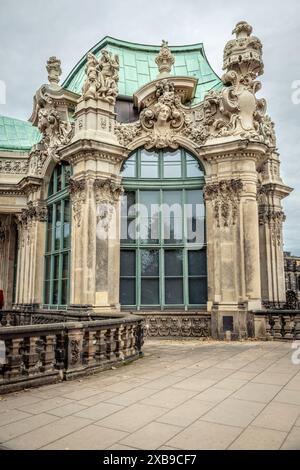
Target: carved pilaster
pixel 78 193
pixel 225 197
pixel 107 194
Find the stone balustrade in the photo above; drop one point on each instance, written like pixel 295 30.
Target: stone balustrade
pixel 34 355
pixel 277 325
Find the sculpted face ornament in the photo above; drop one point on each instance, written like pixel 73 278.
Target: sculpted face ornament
pixel 163 118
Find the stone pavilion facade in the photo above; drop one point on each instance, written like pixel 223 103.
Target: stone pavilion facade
pixel 134 128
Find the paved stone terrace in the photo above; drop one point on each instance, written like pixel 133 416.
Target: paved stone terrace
pixel 181 395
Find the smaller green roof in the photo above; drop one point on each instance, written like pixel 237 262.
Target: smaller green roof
pixel 17 135
pixel 138 67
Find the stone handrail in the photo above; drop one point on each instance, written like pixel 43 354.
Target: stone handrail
pixel 277 325
pixel 21 317
pixel 41 354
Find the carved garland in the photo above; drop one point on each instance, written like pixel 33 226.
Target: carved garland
pixel 26 219
pixel 107 194
pixel 166 326
pixel 78 193
pixel 14 166
pixel 225 197
pixel 274 218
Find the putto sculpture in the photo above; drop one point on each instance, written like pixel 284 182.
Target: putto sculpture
pixel 102 77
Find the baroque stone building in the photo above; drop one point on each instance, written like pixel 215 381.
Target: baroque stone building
pixel 145 182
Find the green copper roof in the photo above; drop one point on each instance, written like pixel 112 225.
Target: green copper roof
pixel 17 135
pixel 138 67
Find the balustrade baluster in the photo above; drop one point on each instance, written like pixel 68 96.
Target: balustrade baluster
pixel 14 360
pixel 48 354
pixel 277 326
pixel 31 356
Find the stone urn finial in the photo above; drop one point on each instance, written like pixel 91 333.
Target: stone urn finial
pixel 242 30
pixel 164 60
pixel 243 55
pixel 54 70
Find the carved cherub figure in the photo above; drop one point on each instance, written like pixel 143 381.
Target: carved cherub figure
pixel 101 76
pixel 89 89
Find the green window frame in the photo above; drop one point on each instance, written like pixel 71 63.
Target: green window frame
pixel 162 273
pixel 58 240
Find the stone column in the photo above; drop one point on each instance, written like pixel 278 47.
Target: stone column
pixel 7 257
pixel 31 250
pixel 271 191
pixel 82 276
pixel 233 236
pixel 96 157
pixel 107 194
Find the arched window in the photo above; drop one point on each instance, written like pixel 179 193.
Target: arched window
pixel 58 239
pixel 163 251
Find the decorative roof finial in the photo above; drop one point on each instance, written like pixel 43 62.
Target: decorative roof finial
pixel 164 60
pixel 243 54
pixel 242 30
pixel 54 71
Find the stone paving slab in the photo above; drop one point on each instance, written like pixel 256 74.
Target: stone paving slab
pixel 181 395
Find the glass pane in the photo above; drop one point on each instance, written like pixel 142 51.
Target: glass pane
pixel 67 210
pixel 197 262
pixel 195 216
pixel 55 292
pixel 48 267
pixel 47 292
pixel 192 167
pixel 149 199
pixel 56 267
pixel 129 168
pixel 149 230
pixel 127 263
pixel 49 240
pixel 195 196
pixel 51 186
pixel 172 214
pixel 148 210
pixel 64 292
pixel 65 268
pixel 149 164
pixel 127 291
pixel 173 262
pixel 150 292
pixel 173 291
pixel 67 170
pixel 66 235
pixel 172 164
pixel 59 178
pixel 150 262
pixel 58 226
pixel 197 290
pixel 49 228
pixel 50 216
pixel 128 214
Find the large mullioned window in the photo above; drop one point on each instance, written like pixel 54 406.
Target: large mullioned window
pixel 163 250
pixel 58 239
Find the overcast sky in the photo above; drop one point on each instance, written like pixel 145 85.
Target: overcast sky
pixel 33 30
